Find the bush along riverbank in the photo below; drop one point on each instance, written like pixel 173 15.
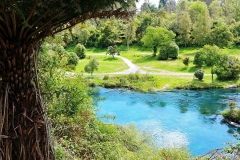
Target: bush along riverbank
pixel 147 82
pixel 232 116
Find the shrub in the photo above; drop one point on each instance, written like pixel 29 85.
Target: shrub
pixel 163 54
pixel 228 70
pixel 198 60
pixel 123 81
pixel 113 50
pixel 91 66
pixel 186 61
pixel 173 50
pixel 72 59
pixel 106 77
pixel 169 51
pixel 80 50
pixel 233 114
pixel 199 74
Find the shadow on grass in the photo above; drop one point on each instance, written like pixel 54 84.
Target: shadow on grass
pixel 96 50
pixel 110 59
pixel 143 59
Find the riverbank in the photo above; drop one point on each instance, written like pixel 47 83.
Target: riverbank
pixel 147 82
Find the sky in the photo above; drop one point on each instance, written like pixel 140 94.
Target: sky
pixel 150 1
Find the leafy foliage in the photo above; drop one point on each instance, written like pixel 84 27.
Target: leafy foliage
pixel 184 28
pixel 91 66
pixel 80 50
pixel 157 36
pixel 201 21
pixel 109 34
pixel 186 61
pixel 233 114
pixel 198 59
pixel 220 36
pixel 72 58
pixel 169 51
pixel 112 50
pixel 199 74
pixel 210 56
pixel 228 69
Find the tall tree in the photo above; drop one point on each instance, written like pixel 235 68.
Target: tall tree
pixel 156 37
pixel 162 4
pixel 171 5
pixel 130 32
pixel 184 27
pixel 23 25
pixel 145 8
pixel 201 21
pixel 231 10
pixel 220 36
pixel 210 56
pixel 215 10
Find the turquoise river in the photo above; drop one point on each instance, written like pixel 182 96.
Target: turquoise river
pixel 174 118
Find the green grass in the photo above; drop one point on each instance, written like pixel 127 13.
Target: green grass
pixel 234 51
pixel 143 57
pixel 151 64
pixel 147 82
pixel 70 49
pixel 107 64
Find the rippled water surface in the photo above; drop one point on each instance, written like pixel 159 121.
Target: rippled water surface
pixel 180 117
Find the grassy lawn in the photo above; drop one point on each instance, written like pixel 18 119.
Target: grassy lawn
pixel 143 58
pixel 147 62
pixel 234 51
pixel 147 82
pixel 107 64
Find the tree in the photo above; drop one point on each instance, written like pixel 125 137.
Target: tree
pixel 80 50
pixel 171 5
pixel 130 32
pixel 220 36
pixel 156 37
pixel 201 21
pixel 231 10
pixel 169 51
pixel 145 20
pixel 109 34
pixel 235 29
pixel 228 69
pixel 145 8
pixel 184 27
pixel 215 10
pixel 24 24
pixel 72 59
pixel 210 56
pixel 112 50
pixel 162 4
pixel 199 59
pixel 91 66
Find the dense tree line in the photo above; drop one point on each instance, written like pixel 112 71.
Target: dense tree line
pixel 195 24
pixel 167 27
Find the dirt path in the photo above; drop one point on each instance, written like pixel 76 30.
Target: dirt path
pixel 134 68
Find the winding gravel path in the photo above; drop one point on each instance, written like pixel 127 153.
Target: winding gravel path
pixel 134 68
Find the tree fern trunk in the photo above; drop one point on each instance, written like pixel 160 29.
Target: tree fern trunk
pixel 24 131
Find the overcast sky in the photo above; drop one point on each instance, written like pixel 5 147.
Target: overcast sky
pixel 150 1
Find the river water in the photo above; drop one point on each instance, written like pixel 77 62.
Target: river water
pixel 174 118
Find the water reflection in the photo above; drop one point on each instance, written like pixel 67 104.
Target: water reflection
pixel 176 117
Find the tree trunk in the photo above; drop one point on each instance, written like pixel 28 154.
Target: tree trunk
pixel 24 127
pixel 154 51
pixel 212 73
